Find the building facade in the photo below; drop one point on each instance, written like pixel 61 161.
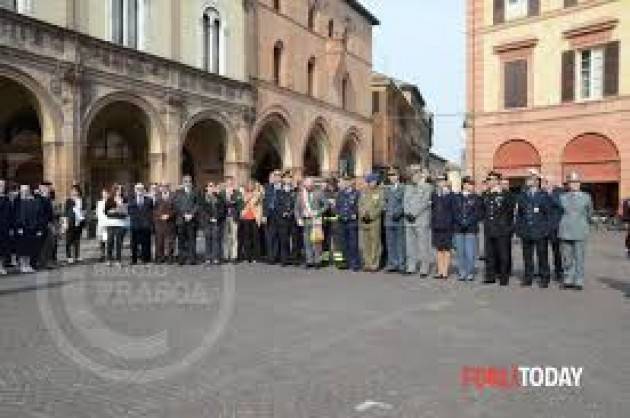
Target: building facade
pixel 104 91
pixel 402 127
pixel 312 76
pixel 546 91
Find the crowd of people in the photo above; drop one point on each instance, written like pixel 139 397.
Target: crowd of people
pixel 411 227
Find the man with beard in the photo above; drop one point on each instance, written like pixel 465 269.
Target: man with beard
pixel 498 217
pixel 186 209
pixel 417 205
pixel 6 225
pixel 533 216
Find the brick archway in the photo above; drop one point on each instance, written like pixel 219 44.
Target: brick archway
pixel 594 156
pixel 515 157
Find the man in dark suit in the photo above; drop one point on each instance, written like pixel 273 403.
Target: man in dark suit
pixel 286 217
pixel 187 211
pixel 271 217
pixel 533 217
pixel 554 194
pixel 6 225
pixel 141 218
pixel 498 218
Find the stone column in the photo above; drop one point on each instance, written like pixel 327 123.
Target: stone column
pixel 171 165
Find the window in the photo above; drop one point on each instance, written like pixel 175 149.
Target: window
pixel 515 9
pixel 311 17
pixel 376 108
pixel 590 73
pixel 515 84
pixel 211 41
pixel 277 62
pixel 276 5
pixel 311 77
pixel 331 28
pixel 127 25
pixel 345 83
pixel 19 6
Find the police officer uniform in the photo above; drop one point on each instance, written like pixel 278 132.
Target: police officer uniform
pixel 394 225
pixel 348 209
pixel 498 219
pixel 370 210
pixel 533 217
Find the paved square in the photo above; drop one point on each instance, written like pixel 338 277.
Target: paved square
pixel 315 344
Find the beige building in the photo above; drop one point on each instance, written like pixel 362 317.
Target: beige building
pixel 103 91
pixel 402 127
pixel 312 77
pixel 548 90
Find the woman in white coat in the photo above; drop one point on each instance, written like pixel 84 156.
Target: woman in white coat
pixel 102 223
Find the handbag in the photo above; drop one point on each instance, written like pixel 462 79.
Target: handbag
pixel 317 234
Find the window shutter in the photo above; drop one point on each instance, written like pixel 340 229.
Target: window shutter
pixel 611 69
pixel 132 31
pixel 376 108
pixel 533 8
pixel 499 11
pixel 117 23
pixel 515 84
pixel 568 76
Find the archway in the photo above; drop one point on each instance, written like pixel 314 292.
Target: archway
pixel 596 159
pixel 117 147
pixel 21 156
pixel 205 152
pixel 316 159
pixel 271 149
pixel 348 157
pixel 514 159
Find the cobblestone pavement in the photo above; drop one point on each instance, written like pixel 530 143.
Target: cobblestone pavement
pixel 308 343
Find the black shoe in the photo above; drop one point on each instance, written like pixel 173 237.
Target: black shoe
pixel 526 283
pixel 566 286
pixel 544 285
pixel 489 281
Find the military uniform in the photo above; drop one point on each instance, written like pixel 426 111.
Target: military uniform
pixel 533 217
pixel 573 231
pixel 347 209
pixel 554 224
pixel 417 208
pixel 370 209
pixel 498 218
pixel 394 227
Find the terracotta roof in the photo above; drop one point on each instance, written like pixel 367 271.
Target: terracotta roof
pixel 356 5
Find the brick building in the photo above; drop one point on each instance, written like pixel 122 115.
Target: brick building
pixel 402 127
pixel 546 91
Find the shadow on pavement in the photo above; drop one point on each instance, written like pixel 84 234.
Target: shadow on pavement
pixel 619 285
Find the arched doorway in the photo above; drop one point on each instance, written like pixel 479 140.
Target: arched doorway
pixel 204 152
pixel 514 159
pixel 117 147
pixel 596 159
pixel 348 157
pixel 21 157
pixel 271 150
pixel 316 152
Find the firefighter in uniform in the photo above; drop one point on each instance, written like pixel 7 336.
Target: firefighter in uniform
pixel 498 217
pixel 348 208
pixel 370 209
pixel 533 226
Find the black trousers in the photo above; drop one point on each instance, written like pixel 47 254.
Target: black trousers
pixel 248 240
pixel 115 238
pixel 297 243
pixel 186 242
pixel 272 238
pixel 140 245
pixel 285 227
pixel 497 258
pixel 73 241
pixel 556 257
pixel 540 247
